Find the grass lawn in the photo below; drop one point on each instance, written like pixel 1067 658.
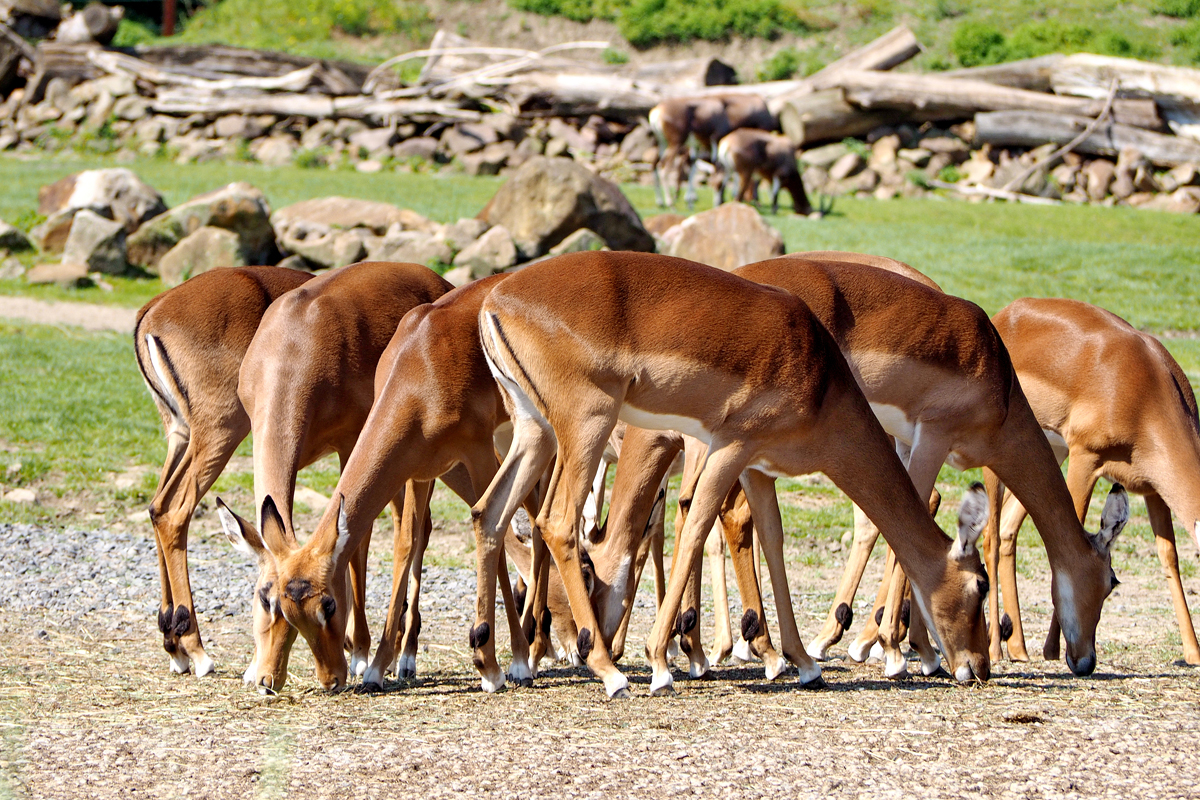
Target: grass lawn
pixel 74 411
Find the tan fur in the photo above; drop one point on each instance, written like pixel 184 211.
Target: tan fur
pixel 749 152
pixel 204 327
pixel 307 383
pixel 751 366
pixel 1126 411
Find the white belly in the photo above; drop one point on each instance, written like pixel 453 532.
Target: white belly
pixel 895 422
pixel 638 418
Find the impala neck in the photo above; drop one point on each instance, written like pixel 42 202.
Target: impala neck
pixel 1030 471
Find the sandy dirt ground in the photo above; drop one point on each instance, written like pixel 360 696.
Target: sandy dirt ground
pixel 88 708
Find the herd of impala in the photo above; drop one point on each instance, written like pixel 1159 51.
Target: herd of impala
pixel 518 390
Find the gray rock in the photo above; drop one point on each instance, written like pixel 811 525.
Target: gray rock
pixel 64 274
pixel 274 151
pixel 456 144
pixel 727 237
pixel 11 268
pixel 345 128
pixel 203 250
pixel 459 276
pixel 579 241
pixel 416 247
pixel 51 235
pixel 345 213
pixel 373 141
pixel 97 242
pixel 319 135
pixel 237 207
pixel 13 239
pixel 826 156
pixel 462 233
pixel 637 142
pixel 549 198
pixel 490 253
pixel 130 108
pixel 239 126
pixel 489 160
pixel 298 262
pixel 845 166
pixel 118 194
pixel 425 147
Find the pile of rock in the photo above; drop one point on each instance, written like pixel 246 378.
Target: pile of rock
pixel 109 221
pixel 901 161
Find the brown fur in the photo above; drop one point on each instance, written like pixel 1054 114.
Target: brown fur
pixel 748 152
pixel 204 327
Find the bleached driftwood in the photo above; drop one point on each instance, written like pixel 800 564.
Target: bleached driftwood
pixel 1035 128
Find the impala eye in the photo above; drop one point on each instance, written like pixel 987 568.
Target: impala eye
pixel 328 608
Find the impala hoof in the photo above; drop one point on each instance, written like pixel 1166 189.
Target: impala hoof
pixel 205 666
pixel 699 669
pixel 860 651
pixel 774 666
pixel 673 651
pixel 406 667
pixel 742 654
pixel 662 684
pixel 621 694
pixel 372 679
pixel 817 651
pixel 358 665
pixel 180 663
pixel 491 686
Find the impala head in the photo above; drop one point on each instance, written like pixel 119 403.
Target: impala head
pixel 957 611
pixel 1078 602
pixel 273 636
pixel 617 567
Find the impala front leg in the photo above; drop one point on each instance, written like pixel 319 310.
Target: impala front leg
pixel 1164 537
pixel 764 506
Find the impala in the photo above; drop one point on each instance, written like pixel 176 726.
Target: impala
pixel 747 152
pixel 189 343
pixel 1112 401
pixel 666 343
pixel 678 120
pixel 307 383
pixel 437 409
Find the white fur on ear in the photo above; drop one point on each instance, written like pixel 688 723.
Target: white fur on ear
pixel 232 527
pixel 1112 521
pixel 343 530
pixel 972 515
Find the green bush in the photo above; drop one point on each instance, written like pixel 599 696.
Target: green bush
pixel 1187 39
pixel 132 32
pixel 1178 8
pixel 304 25
pixel 780 66
pixel 977 43
pixel 578 10
pixel 1047 36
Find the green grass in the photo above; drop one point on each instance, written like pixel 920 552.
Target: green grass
pixel 74 411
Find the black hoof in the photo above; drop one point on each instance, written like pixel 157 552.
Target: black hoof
pixel 816 683
pixel 621 694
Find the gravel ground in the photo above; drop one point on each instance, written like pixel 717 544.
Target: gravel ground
pixel 88 709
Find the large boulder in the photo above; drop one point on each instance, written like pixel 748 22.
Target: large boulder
pixel 117 194
pixel 727 237
pixel 549 198
pixel 204 249
pixel 416 247
pixel 237 207
pixel 97 242
pixel 490 253
pixel 334 231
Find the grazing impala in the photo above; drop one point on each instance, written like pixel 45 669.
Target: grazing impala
pixel 1113 401
pixel 941 382
pixel 437 407
pixel 666 343
pixel 748 152
pixel 307 383
pixel 679 120
pixel 189 343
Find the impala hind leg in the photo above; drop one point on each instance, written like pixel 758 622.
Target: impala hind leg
pixel 863 645
pixel 531 451
pixel 841 613
pixel 714 550
pixel 410 631
pixel 1010 629
pixel 721 469
pixel 1164 537
pixel 192 466
pixel 754 638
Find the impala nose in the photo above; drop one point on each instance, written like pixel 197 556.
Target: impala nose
pixel 1084 666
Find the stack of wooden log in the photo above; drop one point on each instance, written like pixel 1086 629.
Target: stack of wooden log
pixel 489 109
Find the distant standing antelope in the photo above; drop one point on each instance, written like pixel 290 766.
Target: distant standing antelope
pixel 749 151
pixel 706 120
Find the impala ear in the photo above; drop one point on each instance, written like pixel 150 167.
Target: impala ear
pixel 272 530
pixel 239 532
pixel 343 530
pixel 1112 521
pixel 972 515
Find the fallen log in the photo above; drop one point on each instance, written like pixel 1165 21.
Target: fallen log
pixel 1087 75
pixel 1034 128
pixel 12 49
pixel 1031 74
pixel 994 194
pixel 311 106
pixel 68 61
pixel 216 62
pixel 826 116
pixel 931 98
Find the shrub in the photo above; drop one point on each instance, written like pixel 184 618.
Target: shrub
pixel 780 66
pixel 132 32
pixel 1178 8
pixel 1187 39
pixel 612 56
pixel 648 22
pixel 977 43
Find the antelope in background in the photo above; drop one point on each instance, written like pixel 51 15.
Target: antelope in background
pixel 679 121
pixel 747 152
